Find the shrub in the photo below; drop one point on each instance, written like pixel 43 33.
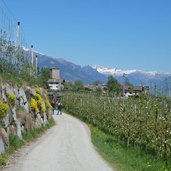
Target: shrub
pixel 3 109
pixel 38 90
pixel 11 98
pixel 33 105
pixel 43 90
pixel 39 103
pixel 43 109
pixel 48 105
pixel 2 161
pixel 15 141
pixel 38 97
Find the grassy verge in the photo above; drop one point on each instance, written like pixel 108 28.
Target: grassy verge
pixel 15 142
pixel 122 158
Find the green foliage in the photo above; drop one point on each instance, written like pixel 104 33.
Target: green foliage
pixel 68 86
pixel 22 71
pixel 78 85
pixel 98 91
pixel 2 160
pixel 144 122
pixel 113 85
pixel 10 78
pixel 3 109
pixel 45 75
pixel 127 159
pixel 15 141
pixel 11 75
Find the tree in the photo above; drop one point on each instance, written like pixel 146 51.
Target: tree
pixel 44 76
pixel 98 91
pixel 113 85
pixel 78 85
pixel 68 86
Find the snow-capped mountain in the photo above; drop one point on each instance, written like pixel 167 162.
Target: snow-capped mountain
pixel 119 72
pixel 111 71
pixel 134 76
pixel 90 74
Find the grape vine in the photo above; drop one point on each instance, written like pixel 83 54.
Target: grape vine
pixel 144 122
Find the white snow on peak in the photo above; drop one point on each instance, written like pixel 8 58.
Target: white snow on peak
pixel 119 72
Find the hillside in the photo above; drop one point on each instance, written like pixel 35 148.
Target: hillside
pixel 71 71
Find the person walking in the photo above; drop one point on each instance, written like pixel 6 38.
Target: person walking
pixel 53 104
pixel 59 107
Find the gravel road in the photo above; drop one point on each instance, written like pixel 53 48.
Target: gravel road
pixel 65 147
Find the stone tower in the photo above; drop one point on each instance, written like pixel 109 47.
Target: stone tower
pixel 55 73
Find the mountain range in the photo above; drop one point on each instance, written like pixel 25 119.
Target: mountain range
pixel 70 71
pixel 137 77
pixel 89 74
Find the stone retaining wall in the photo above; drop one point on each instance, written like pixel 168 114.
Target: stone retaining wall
pixel 19 118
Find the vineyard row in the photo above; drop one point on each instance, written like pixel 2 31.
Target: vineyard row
pixel 143 121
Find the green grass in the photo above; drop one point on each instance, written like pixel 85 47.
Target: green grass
pixel 15 142
pixel 18 79
pixel 122 158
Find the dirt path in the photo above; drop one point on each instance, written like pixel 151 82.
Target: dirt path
pixel 65 147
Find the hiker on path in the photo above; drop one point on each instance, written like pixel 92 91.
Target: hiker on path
pixel 53 104
pixel 59 105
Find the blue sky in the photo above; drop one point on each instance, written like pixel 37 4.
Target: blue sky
pixel 127 34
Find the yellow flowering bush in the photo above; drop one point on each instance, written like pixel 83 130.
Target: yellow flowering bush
pixel 3 109
pixel 11 98
pixel 38 90
pixel 33 105
pixel 39 103
pixel 43 109
pixel 48 105
pixel 38 97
